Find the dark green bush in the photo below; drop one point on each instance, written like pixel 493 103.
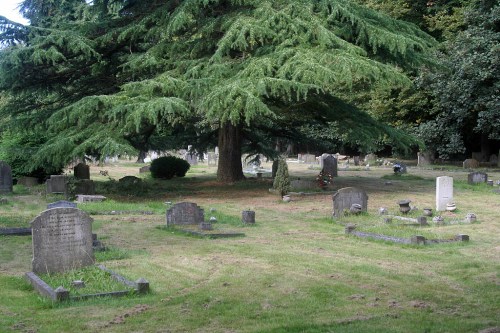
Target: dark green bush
pixel 168 167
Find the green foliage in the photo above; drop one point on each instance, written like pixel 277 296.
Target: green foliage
pixel 167 167
pixel 282 180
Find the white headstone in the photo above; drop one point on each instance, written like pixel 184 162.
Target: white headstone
pixel 444 192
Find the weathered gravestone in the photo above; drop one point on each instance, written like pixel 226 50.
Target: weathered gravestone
pixel 444 192
pixel 5 178
pixel 81 171
pixel 144 169
pixel 191 158
pixel 424 159
pixel 62 240
pixel 477 177
pixel 27 181
pixel 470 163
pixel 185 213
pixel 85 186
pixel 298 184
pixel 346 197
pixel 56 184
pixel 356 160
pixel 212 158
pixel 330 165
pixel 62 204
pixel 308 158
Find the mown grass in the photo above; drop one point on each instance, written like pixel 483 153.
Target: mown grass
pixel 295 271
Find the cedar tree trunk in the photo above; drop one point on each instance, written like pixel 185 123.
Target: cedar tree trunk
pixel 230 168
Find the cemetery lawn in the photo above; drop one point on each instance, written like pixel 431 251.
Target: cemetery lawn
pixel 295 270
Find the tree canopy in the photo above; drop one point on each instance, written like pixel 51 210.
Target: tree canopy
pixel 103 78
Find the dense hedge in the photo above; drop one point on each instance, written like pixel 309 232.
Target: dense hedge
pixel 168 167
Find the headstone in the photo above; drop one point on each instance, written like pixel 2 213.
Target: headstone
pixel 444 192
pixel 330 166
pixel 62 204
pixel 470 163
pixel 344 198
pixel 81 198
pixel 212 158
pixel 81 171
pixel 477 177
pixel 5 178
pixel 185 213
pixel 248 216
pixel 423 159
pixel 144 169
pixel 85 186
pixel 356 160
pixel 62 240
pixel 309 158
pixel 27 181
pixel 191 158
pixel 56 184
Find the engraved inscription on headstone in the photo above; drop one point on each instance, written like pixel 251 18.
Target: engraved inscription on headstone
pixel 444 192
pixel 344 198
pixel 62 240
pixel 185 213
pixel 5 178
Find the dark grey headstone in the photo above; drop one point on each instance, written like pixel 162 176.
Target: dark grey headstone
pixel 62 240
pixel 85 186
pixel 477 177
pixel 330 166
pixel 185 213
pixel 81 171
pixel 344 198
pixel 56 184
pixel 61 204
pixel 5 178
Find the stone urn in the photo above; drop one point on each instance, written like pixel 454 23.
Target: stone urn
pixel 427 211
pixel 404 206
pixel 470 218
pixel 451 207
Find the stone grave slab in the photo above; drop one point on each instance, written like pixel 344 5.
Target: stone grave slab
pixel 444 192
pixel 81 171
pixel 62 240
pixel 89 198
pixel 5 178
pixel 344 198
pixel 62 204
pixel 185 213
pixel 477 177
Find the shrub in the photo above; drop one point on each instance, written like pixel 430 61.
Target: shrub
pixel 282 180
pixel 168 167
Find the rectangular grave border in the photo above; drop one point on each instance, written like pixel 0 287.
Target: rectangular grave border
pixel 202 233
pixel 416 240
pixel 141 286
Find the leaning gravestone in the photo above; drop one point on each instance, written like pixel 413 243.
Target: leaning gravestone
pixel 5 178
pixel 444 192
pixel 344 198
pixel 470 163
pixel 62 240
pixel 330 166
pixel 61 204
pixel 185 213
pixel 81 171
pixel 477 177
pixel 56 184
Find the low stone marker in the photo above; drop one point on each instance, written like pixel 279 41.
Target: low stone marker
pixel 6 182
pixel 470 163
pixel 248 216
pixel 62 240
pixel 57 184
pixel 62 204
pixel 185 213
pixel 344 198
pixel 444 192
pixel 81 171
pixel 477 177
pixel 144 169
pixel 81 198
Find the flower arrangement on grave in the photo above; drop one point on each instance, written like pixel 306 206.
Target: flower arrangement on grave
pixel 324 179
